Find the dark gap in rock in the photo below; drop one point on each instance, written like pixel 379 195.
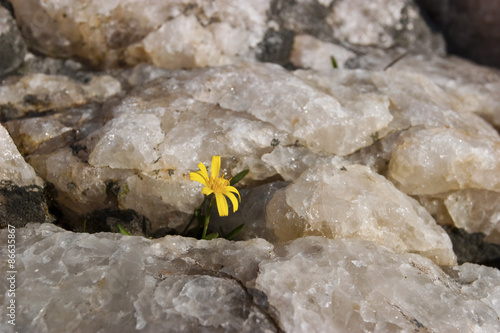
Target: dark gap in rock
pixel 473 248
pixel 22 204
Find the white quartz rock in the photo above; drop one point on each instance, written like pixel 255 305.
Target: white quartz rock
pixel 309 52
pixel 351 201
pixel 470 87
pixel 13 167
pixel 476 210
pixel 323 285
pixel 80 186
pixel 110 283
pixel 290 162
pixel 41 92
pixel 318 120
pixel 439 160
pixel 174 33
pixel 30 133
pixel 480 282
pixel 128 142
pixel 371 25
pixel 415 98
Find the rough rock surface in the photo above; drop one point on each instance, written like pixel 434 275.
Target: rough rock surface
pixel 40 92
pixel 339 201
pixel 332 238
pixel 135 152
pixel 21 190
pixel 196 33
pixel 110 282
pixel 12 46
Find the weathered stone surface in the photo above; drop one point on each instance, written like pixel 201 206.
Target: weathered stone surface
pixel 352 284
pixel 456 171
pixel 351 201
pixel 12 46
pixel 191 115
pixel 309 52
pixel 115 149
pixel 110 282
pixel 39 92
pixel 105 282
pixel 14 167
pixel 21 190
pixel 476 211
pixel 188 117
pixel 187 34
pixel 441 160
pixel 174 34
pixel 468 87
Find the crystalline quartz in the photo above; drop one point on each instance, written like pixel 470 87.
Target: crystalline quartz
pixel 267 92
pixel 476 211
pixel 129 142
pixel 309 52
pixel 40 92
pixel 110 282
pixel 351 201
pixel 166 33
pixel 106 283
pixel 13 167
pixel 471 88
pixel 323 285
pixel 439 160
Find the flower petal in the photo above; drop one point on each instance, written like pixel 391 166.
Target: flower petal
pixel 232 189
pixel 203 171
pixel 207 190
pixel 198 177
pixel 215 167
pixel 221 204
pixel 233 199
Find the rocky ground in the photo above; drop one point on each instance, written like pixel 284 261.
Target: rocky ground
pixel 373 197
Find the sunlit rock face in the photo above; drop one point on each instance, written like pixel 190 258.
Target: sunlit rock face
pixel 148 141
pixel 443 160
pixel 14 168
pixel 357 136
pixel 339 201
pixel 459 169
pixel 436 143
pixel 136 150
pixel 110 282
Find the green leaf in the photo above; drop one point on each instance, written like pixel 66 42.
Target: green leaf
pixel 234 232
pixel 122 230
pixel 211 236
pixel 334 62
pixel 238 177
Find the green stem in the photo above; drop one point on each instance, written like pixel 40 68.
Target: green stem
pixel 207 217
pixel 197 212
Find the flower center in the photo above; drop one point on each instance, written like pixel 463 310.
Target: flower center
pixel 218 183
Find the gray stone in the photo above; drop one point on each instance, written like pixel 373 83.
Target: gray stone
pixel 12 46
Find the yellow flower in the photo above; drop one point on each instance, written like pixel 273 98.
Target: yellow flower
pixel 217 185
